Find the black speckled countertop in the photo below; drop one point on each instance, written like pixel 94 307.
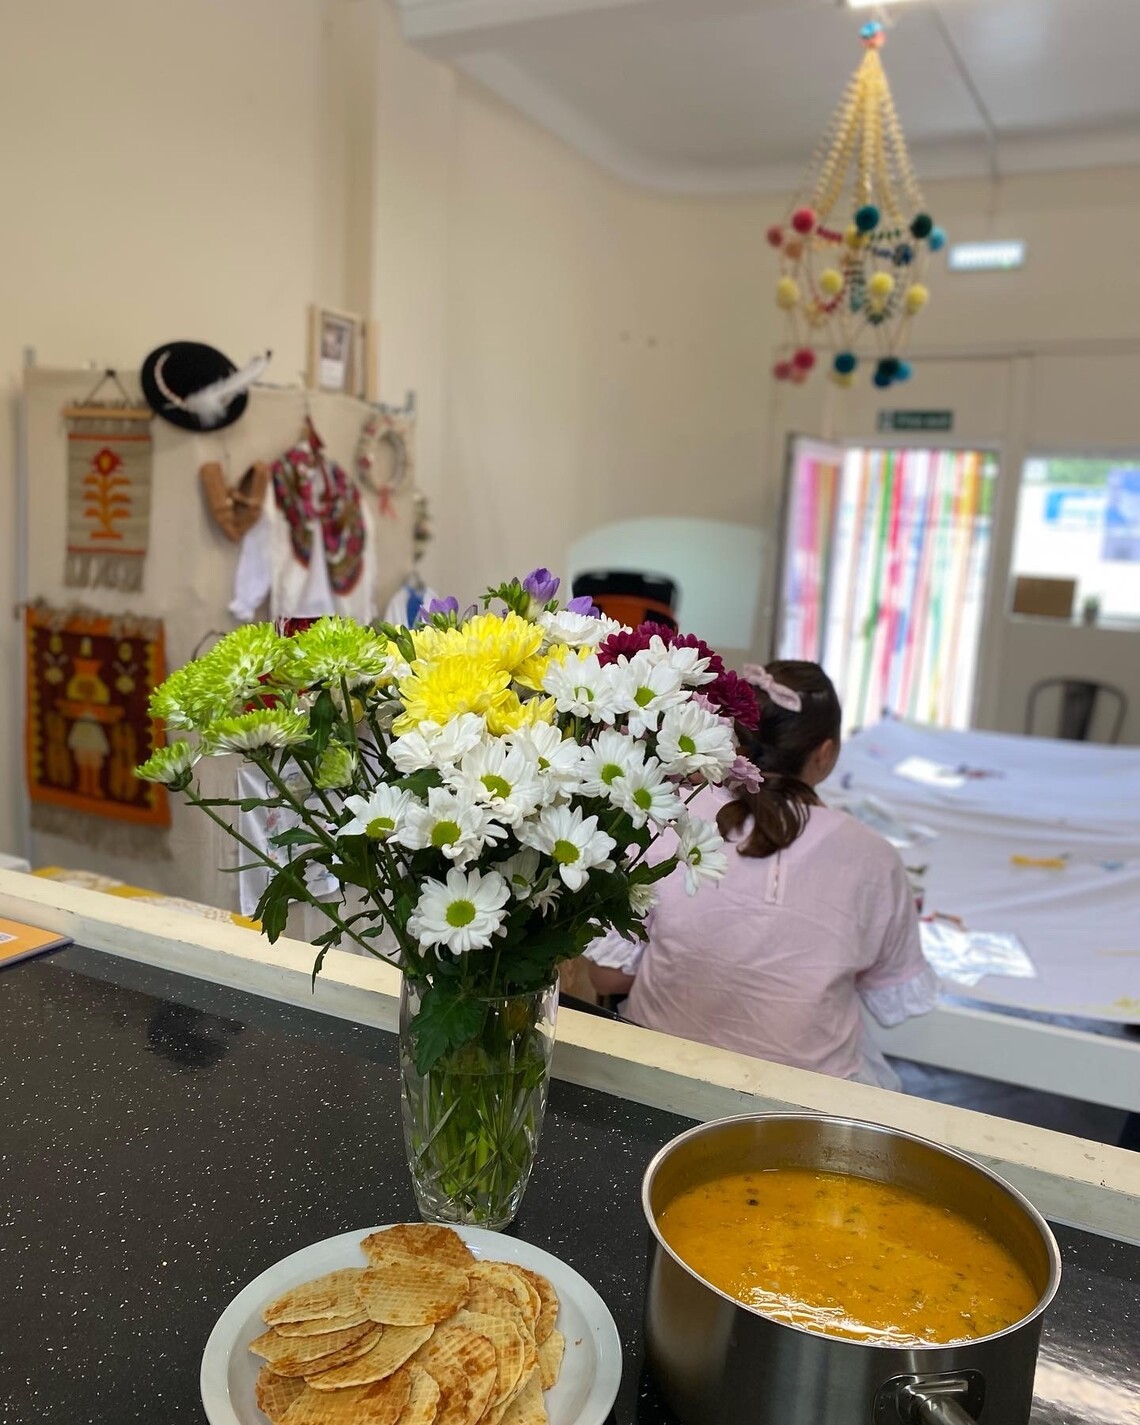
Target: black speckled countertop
pixel 162 1141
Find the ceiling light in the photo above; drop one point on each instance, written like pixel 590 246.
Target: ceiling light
pixel 986 256
pixel 869 4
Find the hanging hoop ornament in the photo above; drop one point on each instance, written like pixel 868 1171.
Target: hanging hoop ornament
pixel 855 247
pixel 385 457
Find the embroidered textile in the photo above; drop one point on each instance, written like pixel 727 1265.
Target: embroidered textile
pixel 309 490
pixel 108 498
pixel 89 680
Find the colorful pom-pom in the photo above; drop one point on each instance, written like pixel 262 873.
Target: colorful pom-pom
pixel 903 255
pixel 843 378
pixel 794 248
pixel 804 359
pixel 867 218
pixel 881 285
pixel 937 240
pixel 788 292
pixel 873 35
pixel 905 371
pixel 799 376
pixel 881 379
pixel 845 362
pixel 853 237
pixel 776 235
pixel 831 282
pixel 803 220
pixel 922 226
pixel 782 370
pixel 917 297
pixel 889 365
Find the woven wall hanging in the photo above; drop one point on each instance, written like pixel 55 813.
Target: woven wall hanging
pixel 854 250
pixel 89 680
pixel 108 492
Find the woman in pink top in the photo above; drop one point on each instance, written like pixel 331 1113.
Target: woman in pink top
pixel 814 917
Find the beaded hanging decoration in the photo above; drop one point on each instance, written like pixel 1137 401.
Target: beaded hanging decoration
pixel 859 283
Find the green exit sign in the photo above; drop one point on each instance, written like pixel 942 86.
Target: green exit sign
pixel 916 420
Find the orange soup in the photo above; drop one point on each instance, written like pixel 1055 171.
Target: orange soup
pixel 847 1256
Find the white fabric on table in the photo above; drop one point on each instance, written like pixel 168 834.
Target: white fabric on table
pixel 1080 925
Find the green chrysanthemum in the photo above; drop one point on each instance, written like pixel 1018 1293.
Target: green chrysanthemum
pixel 338 649
pixel 253 731
pixel 336 768
pixel 169 765
pixel 222 682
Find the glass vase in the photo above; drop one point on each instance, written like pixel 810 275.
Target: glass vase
pixel 472 1121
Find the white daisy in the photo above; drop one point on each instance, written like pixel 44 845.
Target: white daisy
pixel 378 816
pixel 573 843
pixel 584 688
pixel 520 872
pixel 556 757
pixel 694 669
pixel 692 739
pixel 642 899
pixel 431 745
pixel 461 914
pixel 577 630
pixel 701 854
pixel 546 899
pixel 502 778
pixel 606 760
pixel 645 795
pixel 645 690
pixel 452 822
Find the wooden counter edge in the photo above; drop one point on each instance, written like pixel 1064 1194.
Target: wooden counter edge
pixel 1069 1179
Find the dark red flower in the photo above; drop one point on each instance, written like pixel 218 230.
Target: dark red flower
pixel 734 698
pixel 626 642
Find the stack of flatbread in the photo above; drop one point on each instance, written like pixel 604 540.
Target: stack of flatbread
pixel 426 1334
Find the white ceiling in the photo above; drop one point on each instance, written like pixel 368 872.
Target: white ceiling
pixel 732 95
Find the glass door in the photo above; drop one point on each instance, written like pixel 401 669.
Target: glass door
pixel 884 571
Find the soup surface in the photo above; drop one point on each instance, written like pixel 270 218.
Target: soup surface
pixel 846 1256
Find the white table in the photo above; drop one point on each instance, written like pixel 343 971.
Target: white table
pixel 1080 924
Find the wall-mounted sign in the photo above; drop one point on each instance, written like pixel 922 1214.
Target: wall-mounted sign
pixel 916 420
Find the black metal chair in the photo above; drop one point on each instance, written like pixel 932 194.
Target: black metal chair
pixel 1079 702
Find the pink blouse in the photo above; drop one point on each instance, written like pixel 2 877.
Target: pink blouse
pixel 775 960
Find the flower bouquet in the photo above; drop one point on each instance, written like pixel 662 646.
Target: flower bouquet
pixel 481 791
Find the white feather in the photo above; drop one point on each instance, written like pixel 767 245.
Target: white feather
pixel 211 403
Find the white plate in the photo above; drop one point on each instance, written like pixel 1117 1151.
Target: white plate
pixel 583 1394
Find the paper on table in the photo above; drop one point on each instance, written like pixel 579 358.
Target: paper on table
pixel 879 817
pixel 929 774
pixel 967 956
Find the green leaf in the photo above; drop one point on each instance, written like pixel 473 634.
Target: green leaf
pixel 446 1022
pixel 322 718
pixel 295 836
pixel 421 782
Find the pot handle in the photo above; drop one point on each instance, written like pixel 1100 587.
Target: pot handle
pixel 931 1400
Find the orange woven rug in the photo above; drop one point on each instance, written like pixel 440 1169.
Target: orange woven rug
pixel 89 679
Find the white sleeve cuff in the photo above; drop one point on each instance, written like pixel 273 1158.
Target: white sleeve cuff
pixel 893 1003
pixel 614 952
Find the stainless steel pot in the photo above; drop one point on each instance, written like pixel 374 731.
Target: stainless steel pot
pixel 718 1362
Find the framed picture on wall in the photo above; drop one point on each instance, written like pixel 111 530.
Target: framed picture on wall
pixel 336 342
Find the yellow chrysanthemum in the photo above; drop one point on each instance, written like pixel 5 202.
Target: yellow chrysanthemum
pixel 442 688
pixel 512 713
pixel 531 672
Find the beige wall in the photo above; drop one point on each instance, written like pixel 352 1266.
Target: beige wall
pixel 582 351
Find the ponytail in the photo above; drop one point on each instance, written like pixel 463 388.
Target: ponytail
pixel 780 746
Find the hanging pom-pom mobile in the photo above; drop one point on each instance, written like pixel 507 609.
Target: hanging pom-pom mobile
pixel 854 250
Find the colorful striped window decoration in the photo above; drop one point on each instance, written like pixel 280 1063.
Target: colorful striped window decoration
pixel 884 573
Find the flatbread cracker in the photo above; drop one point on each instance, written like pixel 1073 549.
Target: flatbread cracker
pixel 396 1345
pixel 550 1355
pixel 323 1325
pixel 548 1315
pixel 275 1394
pixel 423 1401
pixel 528 1406
pixel 509 1283
pixel 419 1239
pixel 331 1295
pixel 510 1348
pixel 379 1404
pixel 407 1292
pixel 275 1348
pixel 457 1349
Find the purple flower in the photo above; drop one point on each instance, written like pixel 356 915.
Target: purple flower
pixel 450 605
pixel 734 698
pixel 743 776
pixel 541 585
pixel 583 604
